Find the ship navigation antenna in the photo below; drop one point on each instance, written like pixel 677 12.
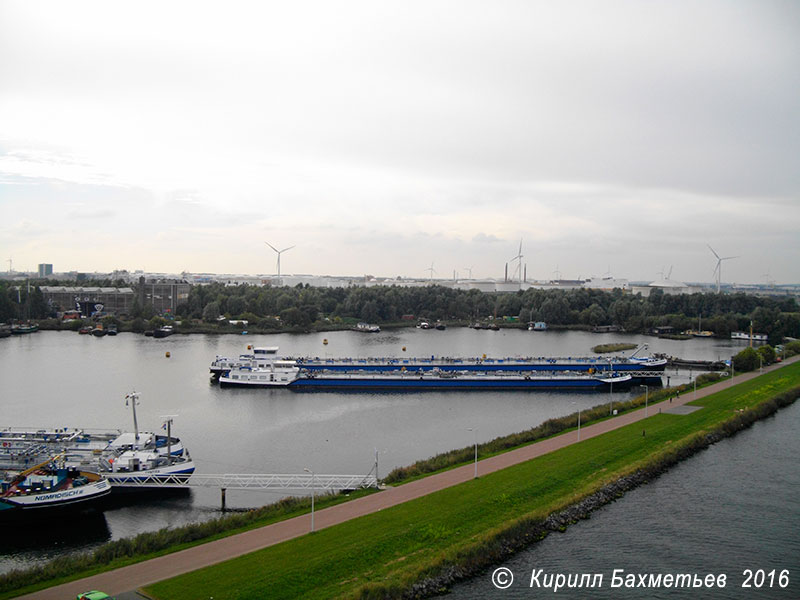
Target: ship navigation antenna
pixel 168 426
pixel 279 252
pixel 718 268
pixel 133 397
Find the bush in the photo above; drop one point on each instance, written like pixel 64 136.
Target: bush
pixel 767 354
pixel 792 348
pixel 746 360
pixel 708 378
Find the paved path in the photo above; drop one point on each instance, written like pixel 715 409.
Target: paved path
pixel 145 573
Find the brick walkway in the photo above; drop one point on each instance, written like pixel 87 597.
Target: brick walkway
pixel 145 573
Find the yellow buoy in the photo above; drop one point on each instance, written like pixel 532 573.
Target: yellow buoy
pixel 325 341
pixel 249 346
pixel 484 356
pixel 167 355
pixel 404 348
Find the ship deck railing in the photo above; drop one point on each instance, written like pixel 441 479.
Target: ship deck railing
pixel 457 360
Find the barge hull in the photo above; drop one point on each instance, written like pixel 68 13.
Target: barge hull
pixel 414 385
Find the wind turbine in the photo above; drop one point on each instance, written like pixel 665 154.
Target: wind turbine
pixel 279 252
pixel 432 270
pixel 518 258
pixel 718 268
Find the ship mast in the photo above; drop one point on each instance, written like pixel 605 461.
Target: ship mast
pixel 133 397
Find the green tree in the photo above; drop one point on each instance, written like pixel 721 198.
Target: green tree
pixel 236 305
pixel 746 360
pixel 369 312
pixel 294 317
pixel 767 354
pixel 211 312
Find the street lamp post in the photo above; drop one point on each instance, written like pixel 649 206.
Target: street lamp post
pixel 313 493
pixel 475 429
pixel 646 393
pixel 579 422
pixel 611 397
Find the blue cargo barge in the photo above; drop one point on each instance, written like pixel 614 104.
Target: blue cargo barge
pixel 265 357
pixel 286 375
pixel 450 380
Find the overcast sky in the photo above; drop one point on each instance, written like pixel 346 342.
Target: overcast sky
pixel 381 137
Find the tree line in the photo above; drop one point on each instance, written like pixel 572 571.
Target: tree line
pixel 304 306
pixel 308 307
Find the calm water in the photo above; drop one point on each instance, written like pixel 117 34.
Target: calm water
pixel 62 379
pixel 732 507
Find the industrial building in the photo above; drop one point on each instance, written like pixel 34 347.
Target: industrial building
pixel 89 300
pixel 164 295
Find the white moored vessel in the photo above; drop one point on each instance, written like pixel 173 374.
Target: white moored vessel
pixel 260 358
pixel 277 373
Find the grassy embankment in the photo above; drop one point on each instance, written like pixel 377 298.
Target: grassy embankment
pixel 472 525
pixel 549 428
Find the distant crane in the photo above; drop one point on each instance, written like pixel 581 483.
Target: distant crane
pixel 518 258
pixel 469 270
pixel 279 252
pixel 718 268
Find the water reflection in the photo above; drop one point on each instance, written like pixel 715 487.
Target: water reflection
pixel 24 544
